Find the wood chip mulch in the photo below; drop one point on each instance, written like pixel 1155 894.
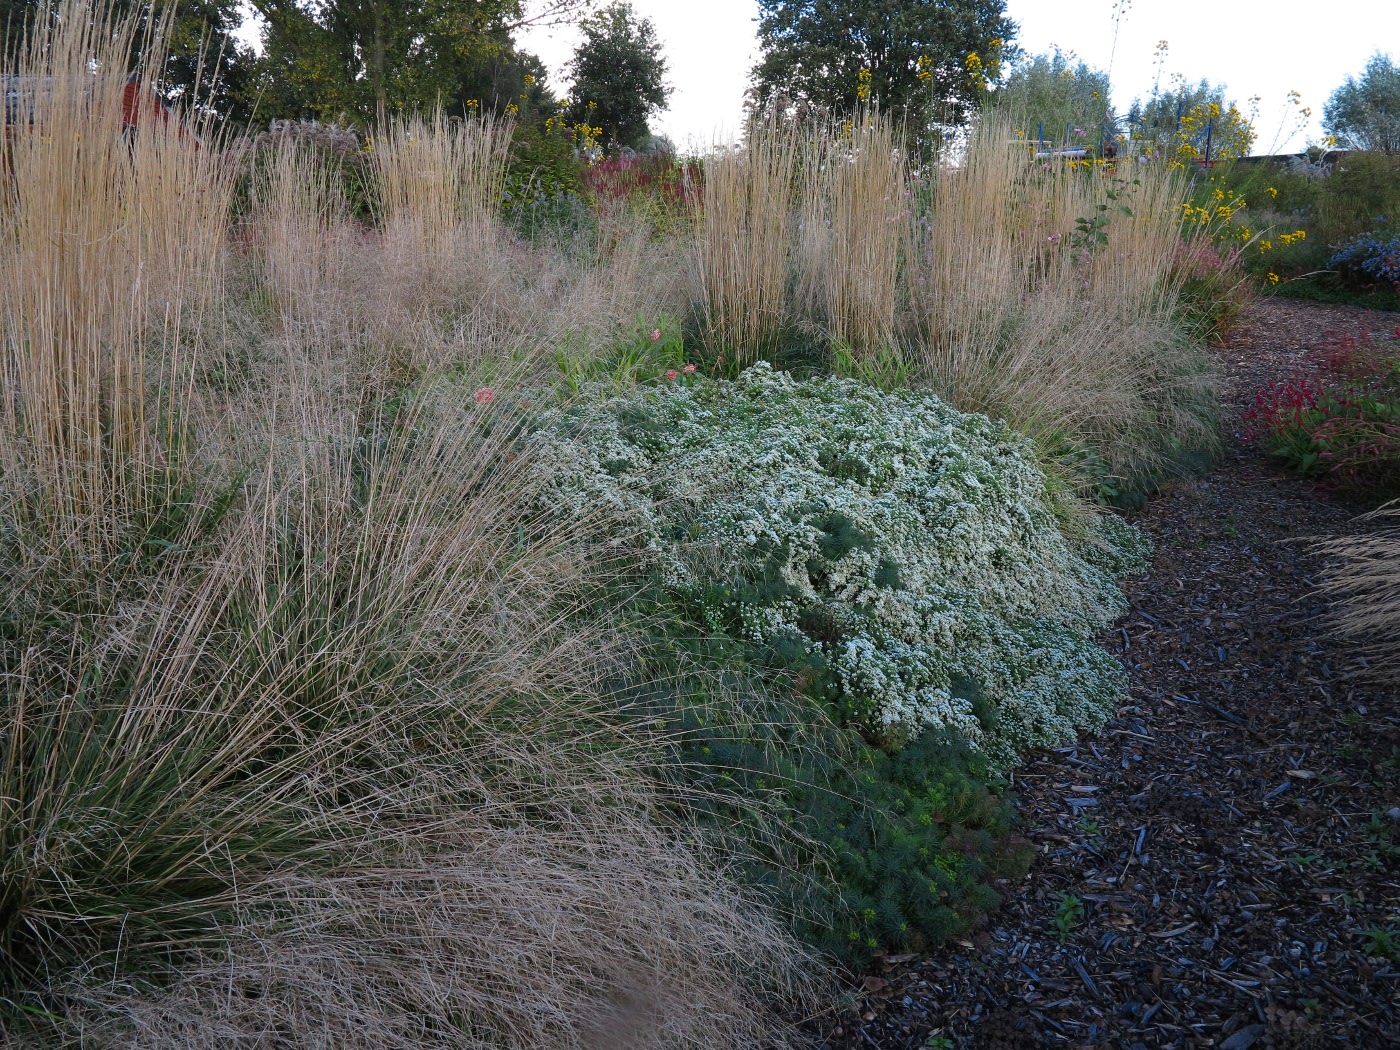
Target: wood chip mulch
pixel 1232 834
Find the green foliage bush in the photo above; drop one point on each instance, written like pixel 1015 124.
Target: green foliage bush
pixel 785 669
pixel 914 563
pixel 1342 425
pixel 1361 190
pixel 859 849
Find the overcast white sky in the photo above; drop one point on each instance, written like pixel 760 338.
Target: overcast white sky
pixel 1255 47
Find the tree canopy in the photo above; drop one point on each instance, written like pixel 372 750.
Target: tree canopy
pixel 204 60
pixel 1055 92
pixel 918 60
pixel 619 76
pixel 367 58
pixel 1181 122
pixel 1364 113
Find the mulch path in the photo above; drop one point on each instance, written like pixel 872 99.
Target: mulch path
pixel 1232 833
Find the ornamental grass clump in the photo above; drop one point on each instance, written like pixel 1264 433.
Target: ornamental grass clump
pixel 1364 584
pixel 304 730
pixel 914 562
pixel 1048 296
pixel 109 250
pixel 853 210
pixel 744 241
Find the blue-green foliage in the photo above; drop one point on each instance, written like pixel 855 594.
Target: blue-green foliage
pixel 917 558
pixel 893 599
pixel 861 849
pixel 1371 256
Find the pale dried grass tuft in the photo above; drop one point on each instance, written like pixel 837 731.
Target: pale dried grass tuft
pixel 854 208
pixel 1074 345
pixel 109 251
pixel 595 933
pixel 1365 587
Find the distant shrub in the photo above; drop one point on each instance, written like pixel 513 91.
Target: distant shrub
pixel 1370 256
pixel 1342 425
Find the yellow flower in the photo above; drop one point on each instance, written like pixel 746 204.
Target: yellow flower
pixel 1272 192
pixel 1273 278
pixel 863 79
pixel 1266 246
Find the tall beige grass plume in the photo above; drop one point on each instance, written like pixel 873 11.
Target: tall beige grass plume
pixel 745 238
pixel 1364 584
pixel 854 209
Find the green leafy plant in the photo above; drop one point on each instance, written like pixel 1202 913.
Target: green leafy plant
pixel 862 850
pixel 1342 426
pixel 1091 231
pixel 1381 942
pixel 647 351
pixel 885 369
pixel 823 517
pixel 1069 912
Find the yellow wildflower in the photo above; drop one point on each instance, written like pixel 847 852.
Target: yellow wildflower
pixel 863 79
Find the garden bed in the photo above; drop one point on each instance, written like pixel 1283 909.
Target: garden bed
pixel 1219 866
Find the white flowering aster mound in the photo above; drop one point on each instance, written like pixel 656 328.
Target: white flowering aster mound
pixel 913 564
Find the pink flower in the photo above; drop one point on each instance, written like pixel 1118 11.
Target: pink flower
pixel 671 374
pixel 688 369
pixel 656 335
pixel 484 396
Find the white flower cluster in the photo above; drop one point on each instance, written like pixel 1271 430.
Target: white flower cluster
pixel 917 551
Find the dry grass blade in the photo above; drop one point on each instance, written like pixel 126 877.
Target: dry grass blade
pixel 109 250
pixel 1365 584
pixel 745 239
pixel 854 210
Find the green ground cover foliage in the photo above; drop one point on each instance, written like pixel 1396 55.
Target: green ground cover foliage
pixel 865 604
pixel 860 849
pixel 912 562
